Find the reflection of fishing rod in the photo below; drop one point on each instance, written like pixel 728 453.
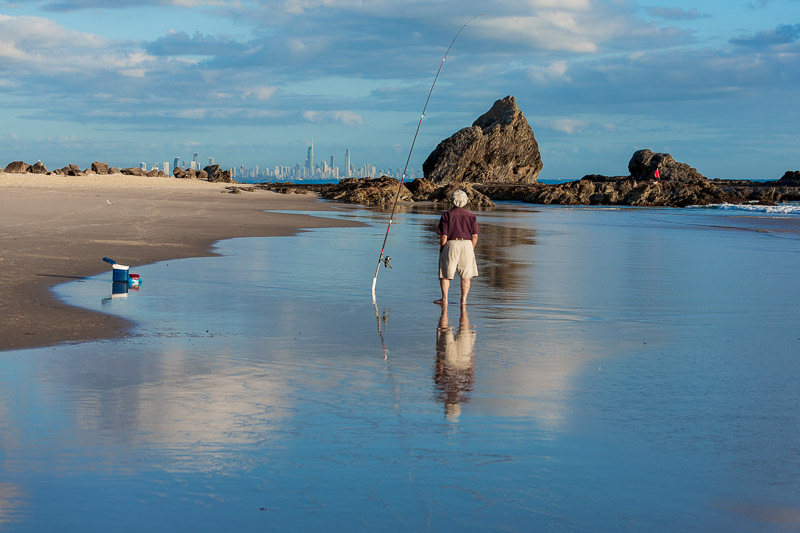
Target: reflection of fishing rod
pixel 405 169
pixel 380 330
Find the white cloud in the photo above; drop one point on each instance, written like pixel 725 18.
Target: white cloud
pixel 192 114
pixel 348 118
pixel 260 93
pixel 555 71
pixel 676 13
pixel 551 31
pixel 35 44
pixel 569 126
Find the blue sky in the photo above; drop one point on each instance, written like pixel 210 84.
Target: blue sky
pixel 715 83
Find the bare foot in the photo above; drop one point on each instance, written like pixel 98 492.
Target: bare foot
pixel 440 301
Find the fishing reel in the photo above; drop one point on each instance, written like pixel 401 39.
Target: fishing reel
pixel 386 262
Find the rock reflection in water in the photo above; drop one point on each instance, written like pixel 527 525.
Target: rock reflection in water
pixel 499 258
pixel 454 374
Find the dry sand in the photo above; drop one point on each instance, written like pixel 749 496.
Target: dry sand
pixel 55 229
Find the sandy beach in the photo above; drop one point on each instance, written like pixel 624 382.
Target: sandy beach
pixel 55 229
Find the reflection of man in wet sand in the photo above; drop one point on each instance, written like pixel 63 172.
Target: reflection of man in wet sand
pixel 458 236
pixel 454 373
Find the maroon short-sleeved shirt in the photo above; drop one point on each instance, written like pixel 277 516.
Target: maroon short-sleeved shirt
pixel 458 223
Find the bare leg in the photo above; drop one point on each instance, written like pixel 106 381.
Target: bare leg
pixel 465 283
pixel 444 283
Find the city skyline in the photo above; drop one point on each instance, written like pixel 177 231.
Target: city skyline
pixel 324 169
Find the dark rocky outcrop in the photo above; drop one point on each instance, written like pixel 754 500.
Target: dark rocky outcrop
pixel 72 170
pixel 499 147
pixel 790 179
pixel 381 191
pixel 212 173
pixel 17 167
pixel 180 173
pixel 476 198
pixel 99 168
pixel 133 171
pixel 643 165
pixel 421 189
pixel 113 170
pixel 216 175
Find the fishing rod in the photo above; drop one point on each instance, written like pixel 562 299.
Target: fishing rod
pixel 405 169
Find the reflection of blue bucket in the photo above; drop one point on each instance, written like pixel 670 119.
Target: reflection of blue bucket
pixel 119 272
pixel 119 288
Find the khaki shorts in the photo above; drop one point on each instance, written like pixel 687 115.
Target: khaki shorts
pixel 457 256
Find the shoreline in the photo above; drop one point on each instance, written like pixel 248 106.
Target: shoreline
pixel 55 229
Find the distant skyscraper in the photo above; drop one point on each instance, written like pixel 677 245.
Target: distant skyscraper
pixel 195 156
pixel 177 162
pixel 347 163
pixel 332 165
pixel 211 161
pixel 310 160
pixel 166 167
pixel 144 165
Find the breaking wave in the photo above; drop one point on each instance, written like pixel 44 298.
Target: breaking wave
pixel 780 209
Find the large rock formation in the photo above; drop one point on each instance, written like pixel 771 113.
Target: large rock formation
pixel 476 198
pixel 72 170
pixel 612 191
pixel 99 167
pixel 18 167
pixel 180 173
pixel 133 171
pixel 212 173
pixel 215 174
pixel 381 191
pixel 499 147
pixel 643 165
pixel 790 179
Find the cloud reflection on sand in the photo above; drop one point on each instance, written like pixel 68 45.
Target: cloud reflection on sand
pixel 10 499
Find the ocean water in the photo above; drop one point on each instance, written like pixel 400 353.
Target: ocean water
pixel 616 370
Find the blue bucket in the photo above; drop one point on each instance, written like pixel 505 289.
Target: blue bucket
pixel 119 272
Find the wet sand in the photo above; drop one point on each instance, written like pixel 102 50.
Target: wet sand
pixel 55 229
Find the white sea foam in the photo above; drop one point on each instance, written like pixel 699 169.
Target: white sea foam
pixel 780 209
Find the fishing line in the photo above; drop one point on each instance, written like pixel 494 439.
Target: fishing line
pixel 405 169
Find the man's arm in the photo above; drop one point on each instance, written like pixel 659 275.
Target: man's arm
pixel 442 241
pixel 474 240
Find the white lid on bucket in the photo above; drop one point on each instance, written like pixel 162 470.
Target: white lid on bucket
pixel 120 267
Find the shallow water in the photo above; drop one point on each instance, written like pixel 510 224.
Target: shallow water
pixel 616 369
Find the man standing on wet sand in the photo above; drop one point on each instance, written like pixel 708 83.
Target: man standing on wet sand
pixel 458 236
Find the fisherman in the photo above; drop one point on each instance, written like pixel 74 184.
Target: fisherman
pixel 458 236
